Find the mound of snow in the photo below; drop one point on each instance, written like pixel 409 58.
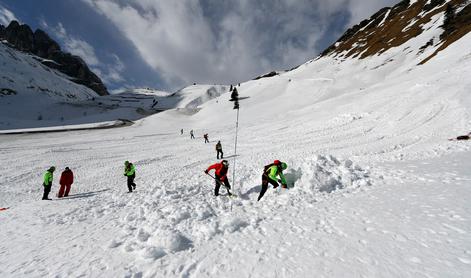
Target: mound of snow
pixel 328 174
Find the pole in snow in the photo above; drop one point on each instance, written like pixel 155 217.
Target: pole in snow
pixel 235 99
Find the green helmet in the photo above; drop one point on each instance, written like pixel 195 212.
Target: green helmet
pixel 126 163
pixel 284 166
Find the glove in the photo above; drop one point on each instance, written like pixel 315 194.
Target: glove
pixel 206 171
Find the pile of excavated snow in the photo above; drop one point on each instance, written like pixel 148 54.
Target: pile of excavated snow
pixel 328 174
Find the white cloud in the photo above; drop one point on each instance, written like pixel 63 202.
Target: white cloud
pixel 74 45
pixel 113 72
pixel 6 16
pixel 209 41
pixel 108 72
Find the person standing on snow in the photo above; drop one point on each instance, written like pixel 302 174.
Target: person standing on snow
pixel 270 175
pixel 67 178
pixel 219 150
pixel 192 136
pixel 221 176
pixel 206 140
pixel 130 173
pixel 181 131
pixel 47 183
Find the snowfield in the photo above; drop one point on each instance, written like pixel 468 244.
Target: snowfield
pixel 378 190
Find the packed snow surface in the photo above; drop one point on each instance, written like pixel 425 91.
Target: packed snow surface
pixel 376 189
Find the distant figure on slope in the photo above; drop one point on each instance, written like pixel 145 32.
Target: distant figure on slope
pixel 221 176
pixel 461 138
pixel 192 136
pixel 47 182
pixel 130 173
pixel 181 131
pixel 270 175
pixel 219 150
pixel 154 103
pixel 67 178
pixel 206 140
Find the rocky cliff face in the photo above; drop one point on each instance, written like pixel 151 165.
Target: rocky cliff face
pixel 40 44
pixel 392 27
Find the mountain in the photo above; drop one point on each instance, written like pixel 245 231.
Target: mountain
pixel 408 20
pixel 376 189
pixel 38 43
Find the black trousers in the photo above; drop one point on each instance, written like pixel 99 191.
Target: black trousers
pixel 219 183
pixel 47 189
pixel 206 140
pixel 131 183
pixel 220 152
pixel 265 181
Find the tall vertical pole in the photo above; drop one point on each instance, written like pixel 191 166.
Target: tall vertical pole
pixel 235 155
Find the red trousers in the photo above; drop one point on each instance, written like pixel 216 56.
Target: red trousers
pixel 65 187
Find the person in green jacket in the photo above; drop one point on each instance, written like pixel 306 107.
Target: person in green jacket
pixel 47 182
pixel 130 173
pixel 270 175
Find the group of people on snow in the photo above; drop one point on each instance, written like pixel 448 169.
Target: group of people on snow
pixel 66 181
pixel 206 140
pixel 272 174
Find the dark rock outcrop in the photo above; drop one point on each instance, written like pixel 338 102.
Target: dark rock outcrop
pixel 2 31
pixel 270 74
pixel 43 45
pixel 40 44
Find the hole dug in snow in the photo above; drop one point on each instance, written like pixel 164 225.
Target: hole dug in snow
pixel 328 174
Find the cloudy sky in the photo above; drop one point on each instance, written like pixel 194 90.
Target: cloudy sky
pixel 168 44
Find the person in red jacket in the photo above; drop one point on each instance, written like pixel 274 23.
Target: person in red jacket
pixel 67 178
pixel 221 176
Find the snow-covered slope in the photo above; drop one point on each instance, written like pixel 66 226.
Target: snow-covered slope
pixel 378 190
pixel 33 95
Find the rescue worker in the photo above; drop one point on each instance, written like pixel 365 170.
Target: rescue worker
pixel 220 176
pixel 219 150
pixel 67 178
pixel 47 182
pixel 270 175
pixel 130 173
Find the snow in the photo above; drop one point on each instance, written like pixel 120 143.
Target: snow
pixel 377 189
pixel 65 127
pixel 385 17
pixel 33 95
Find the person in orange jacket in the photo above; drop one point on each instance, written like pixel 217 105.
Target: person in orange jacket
pixel 221 176
pixel 67 178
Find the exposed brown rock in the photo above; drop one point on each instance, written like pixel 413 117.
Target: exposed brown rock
pixel 403 22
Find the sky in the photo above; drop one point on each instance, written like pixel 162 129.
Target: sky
pixel 170 44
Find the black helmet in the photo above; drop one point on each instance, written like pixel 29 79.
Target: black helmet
pixel 225 163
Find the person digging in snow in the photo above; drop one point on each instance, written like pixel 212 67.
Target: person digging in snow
pixel 67 178
pixel 219 150
pixel 221 176
pixel 130 173
pixel 270 175
pixel 47 182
